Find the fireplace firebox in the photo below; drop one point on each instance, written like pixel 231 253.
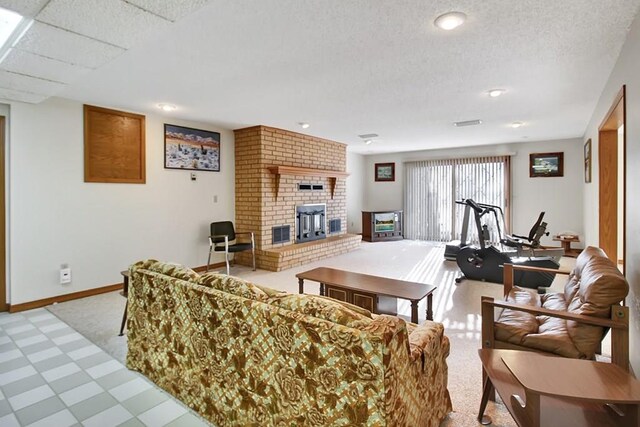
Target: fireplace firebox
pixel 310 222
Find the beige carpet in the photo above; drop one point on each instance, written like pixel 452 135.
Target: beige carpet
pixel 457 306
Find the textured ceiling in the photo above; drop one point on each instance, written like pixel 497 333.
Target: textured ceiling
pixel 70 38
pixel 346 67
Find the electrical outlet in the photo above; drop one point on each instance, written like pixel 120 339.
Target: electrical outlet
pixel 65 275
pixel 193 176
pixel 215 199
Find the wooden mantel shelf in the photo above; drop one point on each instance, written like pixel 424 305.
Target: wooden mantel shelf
pixel 294 170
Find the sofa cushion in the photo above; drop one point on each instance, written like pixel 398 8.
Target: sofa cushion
pixel 174 270
pixel 325 308
pixel 232 285
pixel 540 332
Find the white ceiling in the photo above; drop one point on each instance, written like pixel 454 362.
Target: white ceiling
pixel 346 67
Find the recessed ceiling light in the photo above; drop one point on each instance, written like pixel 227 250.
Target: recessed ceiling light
pixel 167 107
pixel 368 141
pixel 304 125
pixel 494 93
pixel 516 125
pixel 450 20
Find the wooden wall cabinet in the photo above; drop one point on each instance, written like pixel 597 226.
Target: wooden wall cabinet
pixel 383 225
pixel 114 146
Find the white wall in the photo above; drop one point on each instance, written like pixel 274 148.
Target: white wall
pixel 559 197
pixel 99 229
pixel 626 71
pixel 355 191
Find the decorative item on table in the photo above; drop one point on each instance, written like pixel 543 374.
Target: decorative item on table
pixel 587 161
pixel 191 149
pixel 546 165
pixel 385 171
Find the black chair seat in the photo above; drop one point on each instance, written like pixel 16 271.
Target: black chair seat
pixel 238 247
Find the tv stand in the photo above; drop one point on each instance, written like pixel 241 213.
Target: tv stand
pixel 382 225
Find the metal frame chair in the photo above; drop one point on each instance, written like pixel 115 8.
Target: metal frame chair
pixel 222 233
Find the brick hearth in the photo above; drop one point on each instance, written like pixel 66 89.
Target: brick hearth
pixel 259 148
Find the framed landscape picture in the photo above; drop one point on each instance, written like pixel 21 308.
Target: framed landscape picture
pixel 191 149
pixel 587 161
pixel 385 171
pixel 546 164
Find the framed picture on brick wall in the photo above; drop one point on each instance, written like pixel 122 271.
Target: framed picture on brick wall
pixel 191 149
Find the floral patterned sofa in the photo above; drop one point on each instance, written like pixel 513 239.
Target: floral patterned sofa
pixel 245 355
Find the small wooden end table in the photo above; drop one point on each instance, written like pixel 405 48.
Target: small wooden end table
pixel 566 245
pixel 558 391
pixel 124 293
pixel 374 293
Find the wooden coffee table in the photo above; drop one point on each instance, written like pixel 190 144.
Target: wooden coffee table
pixel 376 294
pixel 540 390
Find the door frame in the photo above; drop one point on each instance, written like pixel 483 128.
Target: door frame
pixel 608 177
pixel 3 234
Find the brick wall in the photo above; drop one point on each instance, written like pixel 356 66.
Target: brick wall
pixel 259 147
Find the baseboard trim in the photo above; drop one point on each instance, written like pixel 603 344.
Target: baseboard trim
pixel 14 308
pixel 203 268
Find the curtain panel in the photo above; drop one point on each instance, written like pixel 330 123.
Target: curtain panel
pixel 432 187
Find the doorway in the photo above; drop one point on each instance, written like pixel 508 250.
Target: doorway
pixel 612 142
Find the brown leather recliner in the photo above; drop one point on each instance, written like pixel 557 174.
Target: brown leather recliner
pixel 570 324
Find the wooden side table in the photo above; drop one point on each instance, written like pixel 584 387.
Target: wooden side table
pixel 124 293
pixel 559 391
pixel 566 245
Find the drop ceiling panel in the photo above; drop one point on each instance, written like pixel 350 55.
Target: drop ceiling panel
pixel 45 40
pixel 114 21
pixel 170 9
pixel 26 63
pixel 16 95
pixel 24 83
pixel 24 7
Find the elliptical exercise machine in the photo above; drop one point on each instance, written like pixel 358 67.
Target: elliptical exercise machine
pixel 485 262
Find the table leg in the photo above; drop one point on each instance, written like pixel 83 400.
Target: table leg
pixel 124 319
pixel 300 286
pixel 486 392
pixel 414 311
pixel 430 307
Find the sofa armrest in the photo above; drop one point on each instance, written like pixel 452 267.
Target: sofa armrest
pixel 423 339
pixel 509 271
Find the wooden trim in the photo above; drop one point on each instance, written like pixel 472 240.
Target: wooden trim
pixel 203 268
pixel 14 308
pixel 3 241
pixel 619 96
pixel 294 170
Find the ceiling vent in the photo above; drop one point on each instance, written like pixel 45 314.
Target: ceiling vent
pixel 369 136
pixel 467 123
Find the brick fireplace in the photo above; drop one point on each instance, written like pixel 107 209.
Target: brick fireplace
pixel 277 173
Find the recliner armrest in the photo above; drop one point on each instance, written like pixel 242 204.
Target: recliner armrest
pixel 423 339
pixel 567 315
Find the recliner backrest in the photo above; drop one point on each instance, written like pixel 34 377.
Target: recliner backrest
pixel 594 285
pixel 222 228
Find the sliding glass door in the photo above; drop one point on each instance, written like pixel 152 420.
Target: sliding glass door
pixel 433 186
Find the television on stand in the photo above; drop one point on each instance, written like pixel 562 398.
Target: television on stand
pixel 382 225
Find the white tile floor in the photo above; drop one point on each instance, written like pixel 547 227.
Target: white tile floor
pixel 52 376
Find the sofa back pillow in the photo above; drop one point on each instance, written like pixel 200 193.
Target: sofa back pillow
pixel 233 285
pixel 335 311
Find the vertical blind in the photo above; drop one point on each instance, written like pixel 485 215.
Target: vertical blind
pixel 433 186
